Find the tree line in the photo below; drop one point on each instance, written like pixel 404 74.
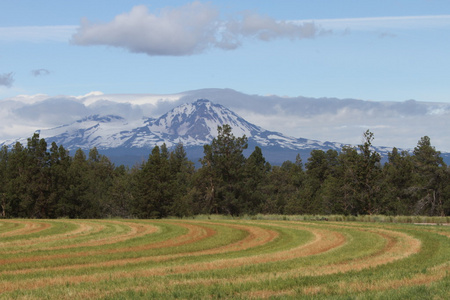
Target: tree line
pixel 38 181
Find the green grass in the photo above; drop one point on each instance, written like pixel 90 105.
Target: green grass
pixel 207 257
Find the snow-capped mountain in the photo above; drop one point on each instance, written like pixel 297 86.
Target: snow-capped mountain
pixel 192 124
pixel 197 123
pixel 93 131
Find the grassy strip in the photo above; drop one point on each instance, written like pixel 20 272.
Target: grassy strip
pixel 437 220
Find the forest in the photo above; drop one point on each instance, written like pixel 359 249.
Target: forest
pixel 41 181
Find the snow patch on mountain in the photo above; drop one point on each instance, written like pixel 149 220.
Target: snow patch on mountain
pixel 94 131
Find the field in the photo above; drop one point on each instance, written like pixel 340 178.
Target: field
pixel 227 259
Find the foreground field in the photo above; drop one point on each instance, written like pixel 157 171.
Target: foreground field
pixel 129 259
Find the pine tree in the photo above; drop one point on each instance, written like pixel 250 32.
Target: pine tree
pixel 369 175
pixel 4 178
pixel 320 165
pixel 154 192
pixel 341 190
pixel 284 183
pixel 255 178
pixel 73 204
pixel 99 179
pixel 34 201
pixel 431 179
pixel 120 195
pixel 398 179
pixel 222 173
pixel 59 163
pixel 181 173
pixel 16 180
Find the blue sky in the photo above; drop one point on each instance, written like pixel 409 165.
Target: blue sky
pixel 371 50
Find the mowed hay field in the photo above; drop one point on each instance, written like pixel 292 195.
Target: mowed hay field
pixel 228 259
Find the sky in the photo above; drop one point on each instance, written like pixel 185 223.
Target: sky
pixel 56 54
pixel 392 50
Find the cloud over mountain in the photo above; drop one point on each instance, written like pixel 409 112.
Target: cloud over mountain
pixel 187 30
pixel 399 124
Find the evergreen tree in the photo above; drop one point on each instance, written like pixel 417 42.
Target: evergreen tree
pixel 99 179
pixel 154 186
pixel 320 165
pixel 59 166
pixel 284 183
pixel 34 201
pixel 431 179
pixel 369 175
pixel 398 179
pixel 39 183
pixel 340 191
pixel 355 185
pixel 16 183
pixel 221 177
pixel 4 178
pixel 296 202
pixel 181 172
pixel 255 177
pixel 72 205
pixel 446 193
pixel 120 195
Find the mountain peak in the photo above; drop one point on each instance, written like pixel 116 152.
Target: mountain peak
pixel 197 122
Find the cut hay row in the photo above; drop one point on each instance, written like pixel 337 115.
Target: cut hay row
pixel 119 243
pixel 24 228
pixel 81 228
pixel 255 236
pixel 6 227
pixel 229 259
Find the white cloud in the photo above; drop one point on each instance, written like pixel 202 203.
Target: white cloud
pixel 22 115
pixel 26 99
pixel 186 30
pixel 181 31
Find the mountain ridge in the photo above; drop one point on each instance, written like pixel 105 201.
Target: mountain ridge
pixel 192 124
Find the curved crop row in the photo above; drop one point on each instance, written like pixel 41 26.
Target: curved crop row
pixel 228 259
